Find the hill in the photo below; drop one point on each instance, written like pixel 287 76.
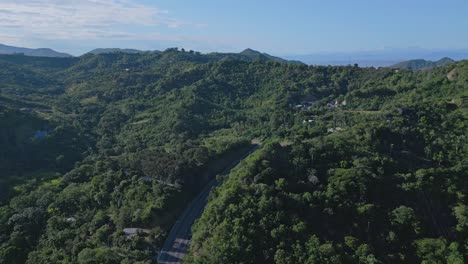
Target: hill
pixel 251 55
pixel 41 52
pixel 113 50
pixel 246 55
pixel 356 165
pixel 421 64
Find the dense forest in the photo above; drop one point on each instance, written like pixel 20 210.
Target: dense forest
pixel 356 165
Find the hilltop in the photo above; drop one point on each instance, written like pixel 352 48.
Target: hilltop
pixel 113 50
pixel 252 55
pixel 421 64
pixel 245 55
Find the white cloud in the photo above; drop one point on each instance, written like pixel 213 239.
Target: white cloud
pixel 82 19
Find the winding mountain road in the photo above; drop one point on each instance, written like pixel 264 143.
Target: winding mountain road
pixel 178 240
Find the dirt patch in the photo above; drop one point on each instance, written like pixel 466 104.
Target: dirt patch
pixel 452 75
pixel 285 143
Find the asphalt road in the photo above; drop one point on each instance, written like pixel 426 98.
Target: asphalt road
pixel 178 240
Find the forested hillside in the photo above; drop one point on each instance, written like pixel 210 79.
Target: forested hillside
pixel 378 177
pixel 357 165
pixel 421 64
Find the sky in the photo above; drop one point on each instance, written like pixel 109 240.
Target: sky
pixel 273 26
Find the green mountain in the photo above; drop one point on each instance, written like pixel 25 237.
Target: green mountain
pixel 251 55
pixel 246 55
pixel 42 52
pixel 422 64
pixel 356 165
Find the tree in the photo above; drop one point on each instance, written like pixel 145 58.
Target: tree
pixel 404 220
pixel 431 250
pixel 98 255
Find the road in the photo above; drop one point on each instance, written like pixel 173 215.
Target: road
pixel 178 240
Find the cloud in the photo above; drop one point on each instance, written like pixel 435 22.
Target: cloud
pixel 82 19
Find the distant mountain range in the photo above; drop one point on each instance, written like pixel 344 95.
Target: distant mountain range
pixel 42 52
pixel 398 58
pixel 247 55
pixel 112 50
pixel 421 64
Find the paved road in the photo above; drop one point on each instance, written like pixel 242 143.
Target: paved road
pixel 178 240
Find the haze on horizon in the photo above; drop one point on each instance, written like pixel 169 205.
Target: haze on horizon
pixel 276 27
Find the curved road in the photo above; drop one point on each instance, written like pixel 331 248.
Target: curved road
pixel 178 240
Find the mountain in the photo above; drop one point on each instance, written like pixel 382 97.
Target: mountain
pixel 246 55
pixel 421 64
pixel 256 54
pixel 100 155
pixel 113 50
pixel 41 52
pixel 251 55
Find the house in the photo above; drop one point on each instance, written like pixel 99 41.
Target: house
pixel 333 104
pixel 336 103
pixel 130 232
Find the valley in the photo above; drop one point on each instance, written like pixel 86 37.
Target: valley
pixel 371 168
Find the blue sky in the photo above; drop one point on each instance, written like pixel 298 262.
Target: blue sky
pixel 273 26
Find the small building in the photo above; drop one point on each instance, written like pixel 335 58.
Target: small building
pixel 336 103
pixel 130 232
